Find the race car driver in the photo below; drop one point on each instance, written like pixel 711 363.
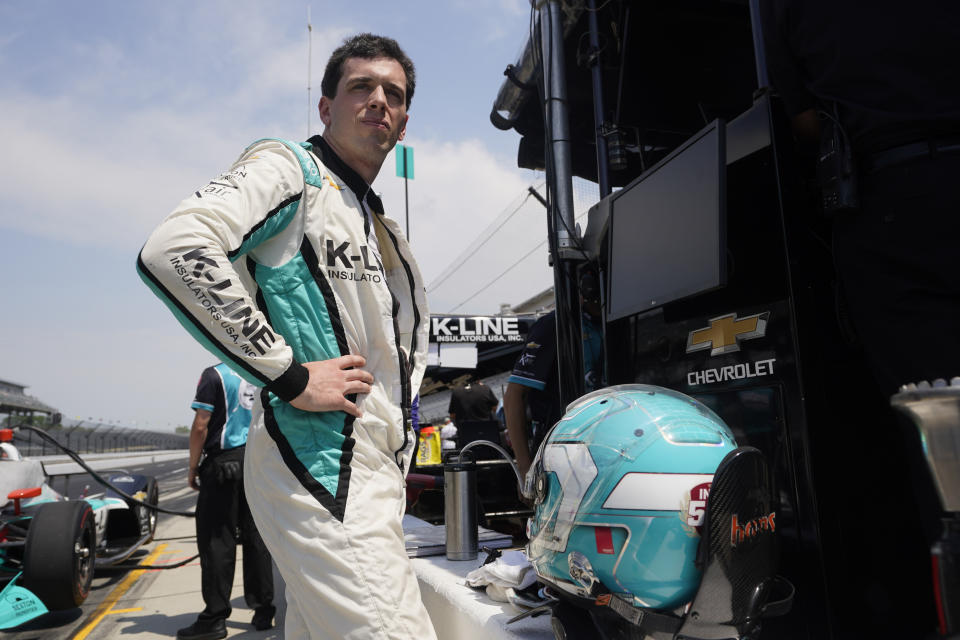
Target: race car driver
pixel 286 267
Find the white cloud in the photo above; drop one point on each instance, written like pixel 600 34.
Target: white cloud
pixel 459 187
pixel 92 181
pixel 106 178
pixel 493 17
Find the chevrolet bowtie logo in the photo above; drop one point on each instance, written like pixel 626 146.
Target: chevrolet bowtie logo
pixel 725 333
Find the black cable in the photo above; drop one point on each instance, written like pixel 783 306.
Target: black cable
pixel 473 249
pixel 597 10
pixel 76 458
pixel 175 565
pixel 529 253
pixel 503 273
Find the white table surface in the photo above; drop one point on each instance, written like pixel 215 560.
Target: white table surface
pixel 461 613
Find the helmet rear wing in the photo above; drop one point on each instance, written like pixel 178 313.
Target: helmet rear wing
pixel 738 553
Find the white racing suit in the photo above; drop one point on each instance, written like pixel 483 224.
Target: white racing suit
pixel 285 259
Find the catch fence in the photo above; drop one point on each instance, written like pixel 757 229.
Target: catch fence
pixel 86 436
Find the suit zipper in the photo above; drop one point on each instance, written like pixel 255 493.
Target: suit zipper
pixel 406 366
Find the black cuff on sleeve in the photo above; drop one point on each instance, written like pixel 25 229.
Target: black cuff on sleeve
pixel 291 384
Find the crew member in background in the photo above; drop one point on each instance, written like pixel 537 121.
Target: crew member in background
pixel 531 402
pixel 287 267
pixel 217 441
pixel 874 90
pixel 472 401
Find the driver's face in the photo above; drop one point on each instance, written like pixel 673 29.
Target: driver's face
pixel 368 115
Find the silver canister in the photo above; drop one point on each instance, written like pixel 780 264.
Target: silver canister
pixel 935 410
pixel 460 508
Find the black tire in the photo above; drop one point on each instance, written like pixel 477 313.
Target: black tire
pixel 59 554
pixel 153 497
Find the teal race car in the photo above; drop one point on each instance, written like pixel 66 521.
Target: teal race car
pixel 51 545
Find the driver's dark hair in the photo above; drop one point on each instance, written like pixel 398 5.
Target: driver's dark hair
pixel 366 45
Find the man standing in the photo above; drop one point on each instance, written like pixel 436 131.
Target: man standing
pixel 287 266
pixel 219 433
pixel 875 77
pixel 471 401
pixel 871 88
pixel 531 402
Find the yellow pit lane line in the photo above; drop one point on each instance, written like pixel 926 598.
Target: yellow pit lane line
pixel 107 605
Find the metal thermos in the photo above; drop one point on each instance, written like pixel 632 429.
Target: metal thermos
pixel 460 508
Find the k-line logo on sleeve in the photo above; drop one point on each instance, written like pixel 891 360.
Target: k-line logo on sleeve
pixel 195 270
pixel 359 267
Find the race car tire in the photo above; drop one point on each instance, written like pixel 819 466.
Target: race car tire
pixel 59 554
pixel 153 497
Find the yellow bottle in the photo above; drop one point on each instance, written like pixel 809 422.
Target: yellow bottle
pixel 429 451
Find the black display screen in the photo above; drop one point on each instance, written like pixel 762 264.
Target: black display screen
pixel 668 228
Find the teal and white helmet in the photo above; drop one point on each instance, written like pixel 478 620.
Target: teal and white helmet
pixel 620 487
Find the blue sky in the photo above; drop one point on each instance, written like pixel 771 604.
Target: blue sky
pixel 113 111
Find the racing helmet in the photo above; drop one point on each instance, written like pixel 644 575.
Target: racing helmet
pixel 619 489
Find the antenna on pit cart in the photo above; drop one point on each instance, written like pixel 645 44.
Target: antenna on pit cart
pixel 309 61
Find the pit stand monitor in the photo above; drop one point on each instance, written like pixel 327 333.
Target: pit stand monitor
pixel 667 228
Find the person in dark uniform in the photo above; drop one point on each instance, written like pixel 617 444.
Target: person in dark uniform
pixel 888 74
pixel 472 401
pixel 218 436
pixel 531 402
pixel 874 90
